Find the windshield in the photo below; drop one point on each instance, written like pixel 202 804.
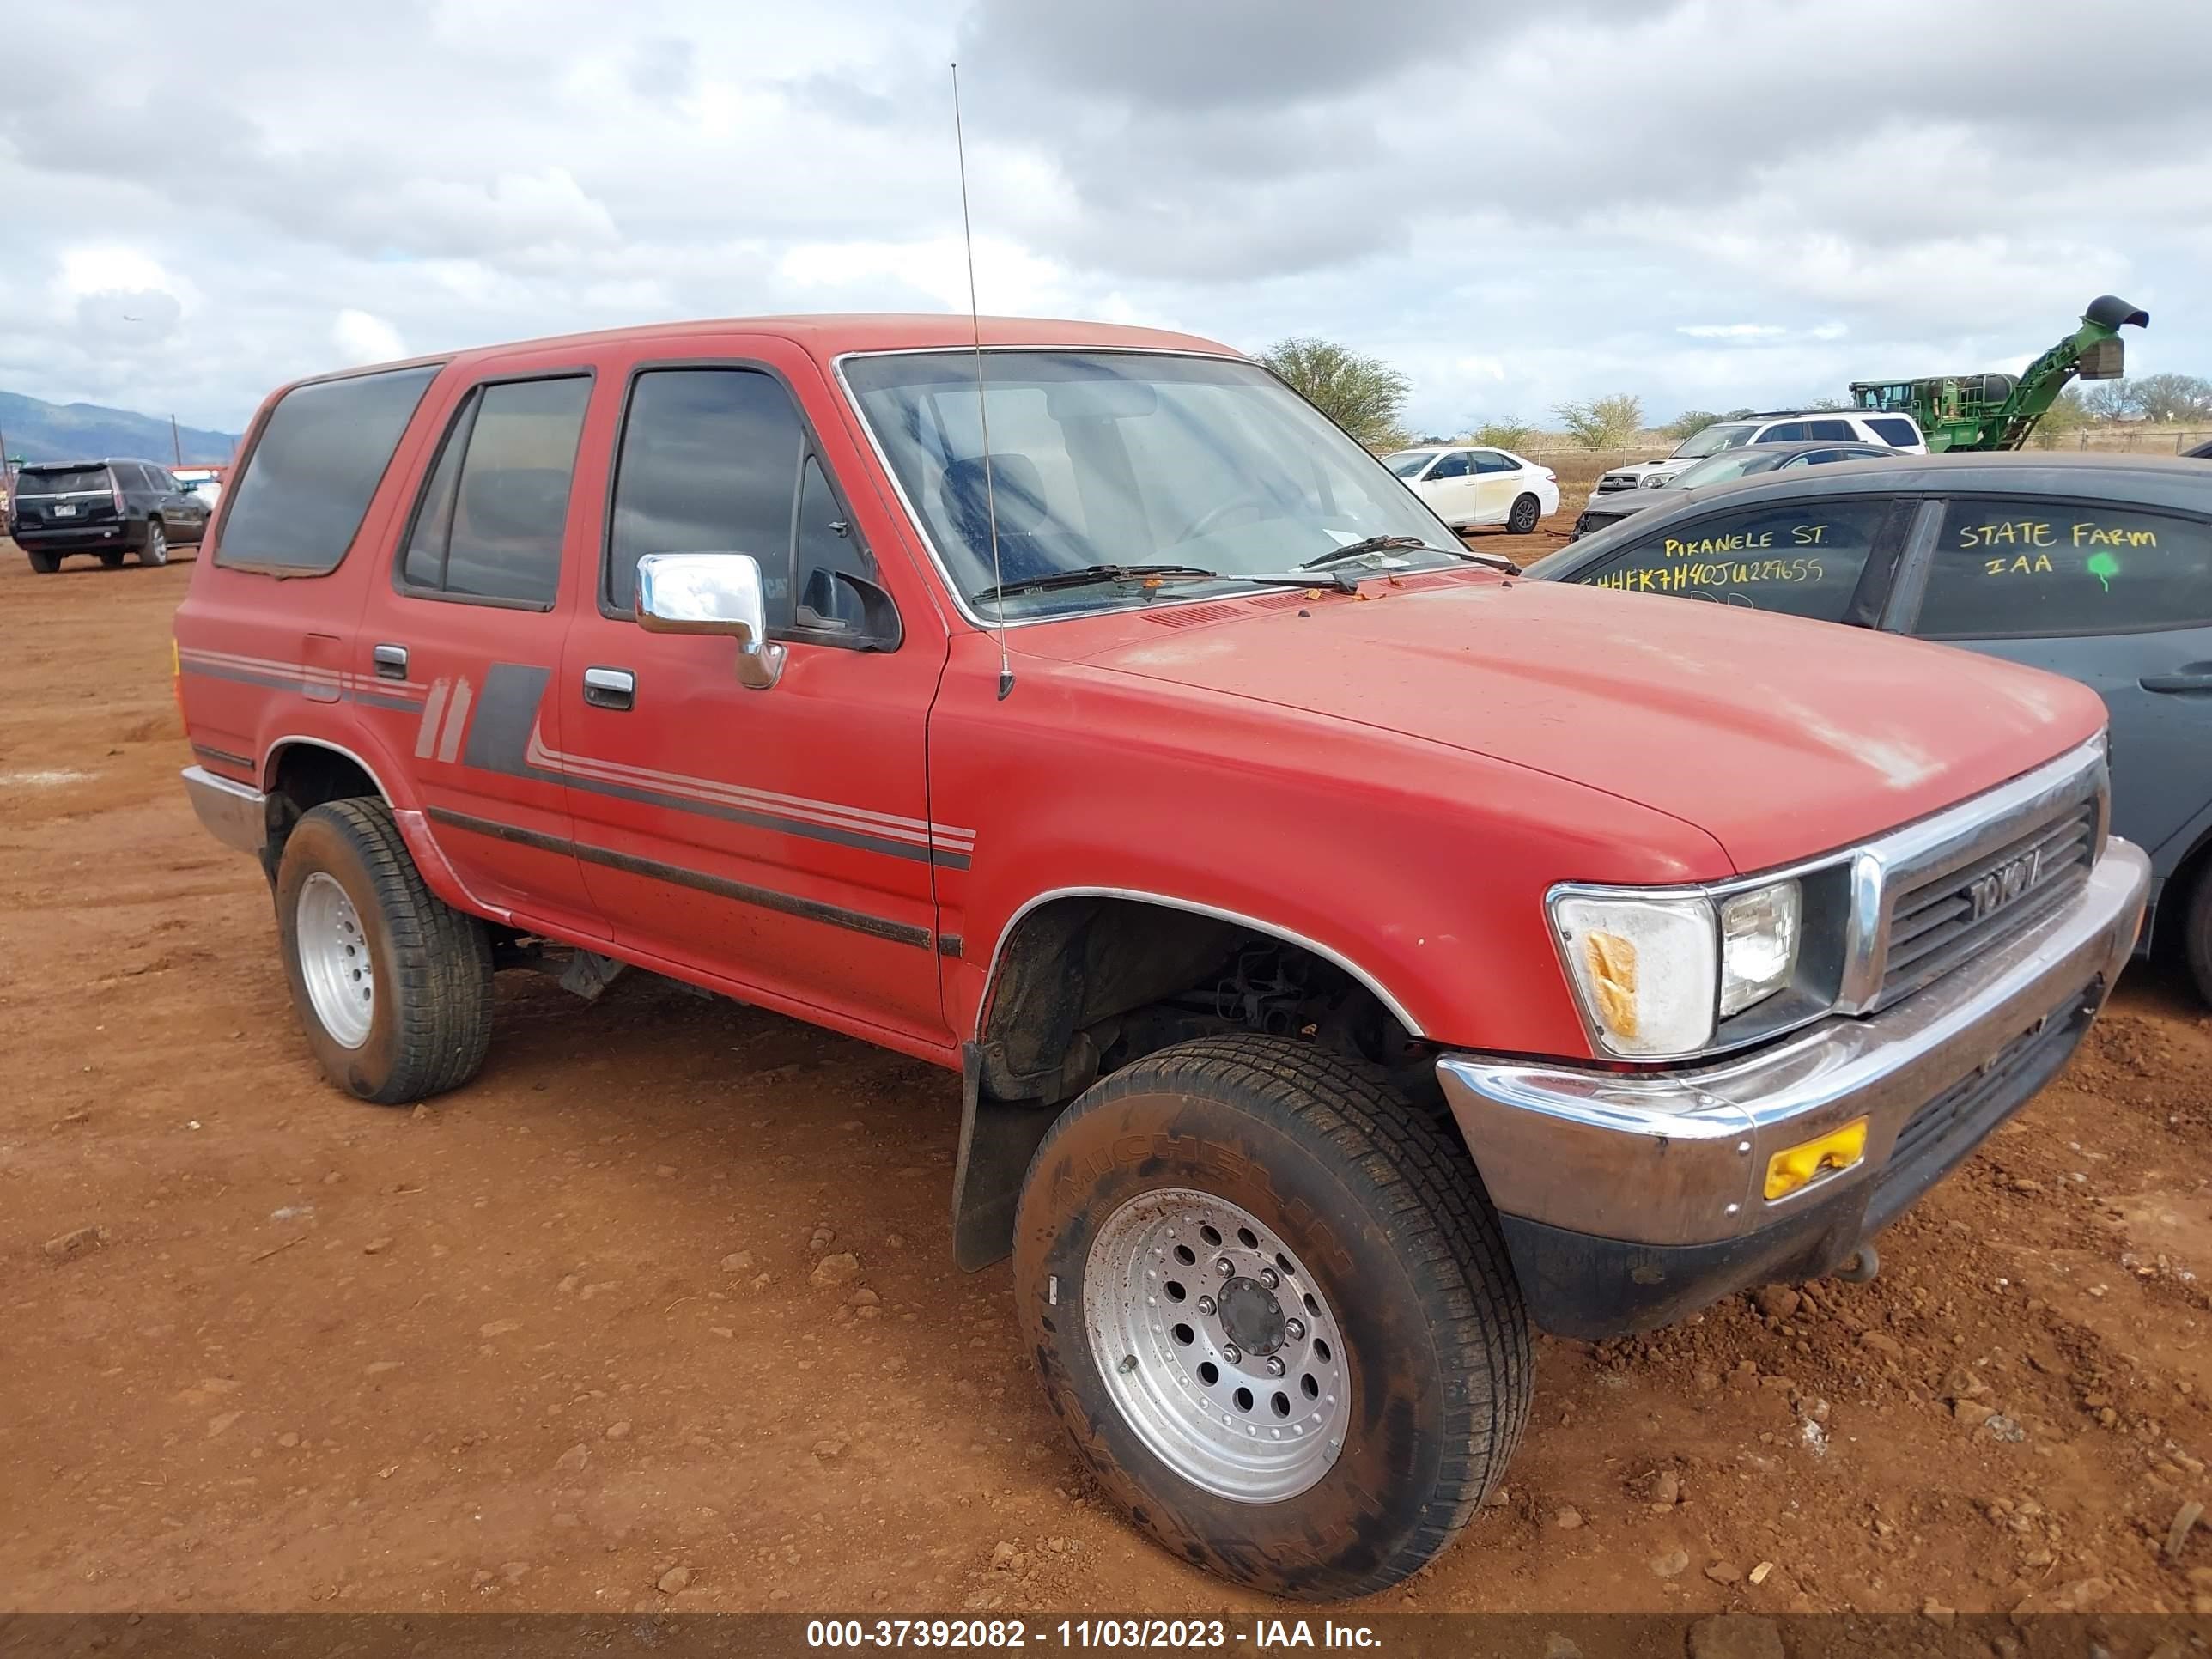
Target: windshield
pixel 71 481
pixel 1719 468
pixel 1714 439
pixel 1124 458
pixel 1407 462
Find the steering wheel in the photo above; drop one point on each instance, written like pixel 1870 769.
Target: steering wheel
pixel 1209 520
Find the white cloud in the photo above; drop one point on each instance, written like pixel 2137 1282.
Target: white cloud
pixel 1636 201
pixel 362 338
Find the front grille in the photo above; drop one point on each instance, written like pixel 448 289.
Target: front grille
pixel 1934 926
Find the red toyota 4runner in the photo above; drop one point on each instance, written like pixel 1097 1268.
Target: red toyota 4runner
pixel 1351 953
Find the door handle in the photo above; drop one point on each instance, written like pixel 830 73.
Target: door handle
pixel 2196 676
pixel 391 662
pixel 610 688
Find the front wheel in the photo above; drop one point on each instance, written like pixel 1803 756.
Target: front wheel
pixel 154 549
pixel 1272 1306
pixel 2197 932
pixel 1526 511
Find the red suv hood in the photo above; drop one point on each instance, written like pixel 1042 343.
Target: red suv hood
pixel 1779 738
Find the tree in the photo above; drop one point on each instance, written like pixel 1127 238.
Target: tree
pixel 2172 397
pixel 1689 423
pixel 1603 423
pixel 1510 432
pixel 1741 414
pixel 2109 400
pixel 1362 394
pixel 2070 413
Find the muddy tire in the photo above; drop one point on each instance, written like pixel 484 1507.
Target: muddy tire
pixel 392 985
pixel 154 549
pixel 1271 1303
pixel 1527 509
pixel 45 564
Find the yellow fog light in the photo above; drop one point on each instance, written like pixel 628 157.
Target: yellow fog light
pixel 1801 1165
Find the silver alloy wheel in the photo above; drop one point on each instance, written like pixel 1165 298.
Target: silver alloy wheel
pixel 334 960
pixel 157 545
pixel 1217 1345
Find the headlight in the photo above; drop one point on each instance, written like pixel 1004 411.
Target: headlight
pixel 1655 973
pixel 1758 944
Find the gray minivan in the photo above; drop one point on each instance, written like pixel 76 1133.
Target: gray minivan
pixel 2099 567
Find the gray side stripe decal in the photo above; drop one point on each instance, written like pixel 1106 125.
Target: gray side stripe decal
pixel 942 857
pixel 765 898
pixel 243 762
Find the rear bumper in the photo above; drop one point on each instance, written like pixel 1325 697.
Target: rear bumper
pixel 234 814
pixel 77 538
pixel 1631 1199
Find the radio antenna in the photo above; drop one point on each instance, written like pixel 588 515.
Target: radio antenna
pixel 982 413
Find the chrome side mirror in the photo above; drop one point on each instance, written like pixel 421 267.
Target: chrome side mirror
pixel 711 594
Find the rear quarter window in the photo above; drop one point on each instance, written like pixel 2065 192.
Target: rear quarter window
pixel 298 501
pixel 2010 568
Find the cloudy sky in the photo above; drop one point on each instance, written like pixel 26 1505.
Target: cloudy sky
pixel 1706 203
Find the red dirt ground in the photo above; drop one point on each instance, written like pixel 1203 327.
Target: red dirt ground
pixel 538 1343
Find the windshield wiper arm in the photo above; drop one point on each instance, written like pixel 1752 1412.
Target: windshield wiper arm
pixel 1091 575
pixel 1087 575
pixel 1386 544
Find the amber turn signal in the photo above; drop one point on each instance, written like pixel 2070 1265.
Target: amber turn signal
pixel 1799 1166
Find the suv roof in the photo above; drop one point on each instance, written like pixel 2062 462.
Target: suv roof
pixel 829 335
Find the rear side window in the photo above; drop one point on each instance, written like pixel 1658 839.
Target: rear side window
pixel 1830 431
pixel 1489 460
pixel 299 502
pixel 2037 567
pixel 1788 432
pixel 71 481
pixel 1800 558
pixel 1893 431
pixel 495 512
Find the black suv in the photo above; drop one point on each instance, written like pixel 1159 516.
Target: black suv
pixel 104 507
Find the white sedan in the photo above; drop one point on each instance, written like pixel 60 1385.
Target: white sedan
pixel 1465 485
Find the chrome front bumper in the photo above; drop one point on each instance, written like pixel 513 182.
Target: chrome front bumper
pixel 1678 1157
pixel 234 814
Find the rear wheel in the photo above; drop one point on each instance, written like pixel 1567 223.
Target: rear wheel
pixel 112 557
pixel 45 564
pixel 393 985
pixel 154 549
pixel 1526 511
pixel 1273 1308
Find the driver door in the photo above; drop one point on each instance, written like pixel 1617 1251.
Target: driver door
pixel 1450 488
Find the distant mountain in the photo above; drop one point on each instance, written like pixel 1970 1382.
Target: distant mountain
pixel 67 432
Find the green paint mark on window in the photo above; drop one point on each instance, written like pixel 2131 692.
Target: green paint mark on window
pixel 2104 567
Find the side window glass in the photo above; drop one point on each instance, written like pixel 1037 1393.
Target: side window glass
pixel 707 462
pixel 298 501
pixel 1838 431
pixel 1489 460
pixel 1800 558
pixel 493 516
pixel 1786 432
pixel 1454 466
pixel 2037 567
pixel 1898 434
pixel 826 548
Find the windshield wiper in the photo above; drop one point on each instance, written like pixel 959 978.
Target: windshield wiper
pixel 1085 576
pixel 1092 574
pixel 1386 544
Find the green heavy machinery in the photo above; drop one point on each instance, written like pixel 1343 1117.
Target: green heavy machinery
pixel 1997 411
